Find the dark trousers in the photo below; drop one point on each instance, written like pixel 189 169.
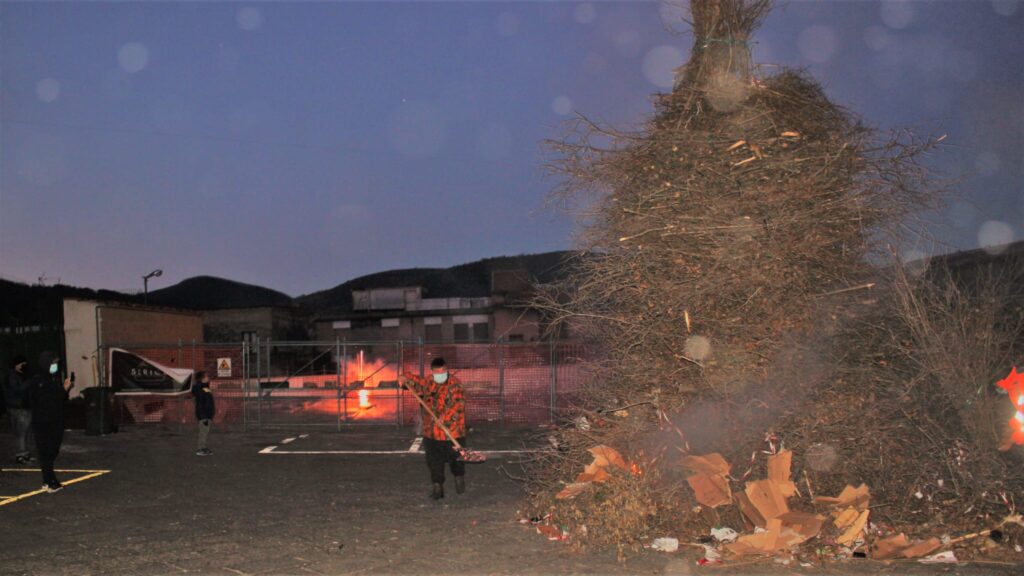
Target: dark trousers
pixel 440 452
pixel 49 436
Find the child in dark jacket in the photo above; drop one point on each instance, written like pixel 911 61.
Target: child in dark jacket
pixel 205 410
pixel 45 396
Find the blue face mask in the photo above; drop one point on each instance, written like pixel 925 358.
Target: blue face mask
pixel 54 367
pixel 441 378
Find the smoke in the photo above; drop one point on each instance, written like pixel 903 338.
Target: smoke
pixel 736 421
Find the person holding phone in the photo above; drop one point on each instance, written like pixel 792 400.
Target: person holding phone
pixel 47 393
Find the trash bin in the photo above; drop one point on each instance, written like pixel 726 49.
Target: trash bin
pixel 99 411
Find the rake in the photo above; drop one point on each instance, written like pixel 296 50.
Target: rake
pixel 465 454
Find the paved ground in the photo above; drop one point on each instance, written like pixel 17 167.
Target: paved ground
pixel 306 506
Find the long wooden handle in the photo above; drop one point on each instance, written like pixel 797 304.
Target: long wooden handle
pixel 437 420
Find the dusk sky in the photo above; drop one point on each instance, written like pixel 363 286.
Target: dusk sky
pixel 299 145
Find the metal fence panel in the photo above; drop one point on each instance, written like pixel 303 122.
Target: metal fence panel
pixel 335 384
pixel 177 409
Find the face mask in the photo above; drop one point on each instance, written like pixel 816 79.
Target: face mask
pixel 54 367
pixel 441 378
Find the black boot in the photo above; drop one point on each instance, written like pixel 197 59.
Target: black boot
pixel 437 491
pixel 460 484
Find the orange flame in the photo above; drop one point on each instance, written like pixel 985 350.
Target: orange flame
pixel 1014 386
pixel 364 398
pixel 635 469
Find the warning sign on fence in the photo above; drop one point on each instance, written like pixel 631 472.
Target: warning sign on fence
pixel 223 367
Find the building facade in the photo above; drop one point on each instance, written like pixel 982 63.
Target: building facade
pixel 91 327
pixel 404 313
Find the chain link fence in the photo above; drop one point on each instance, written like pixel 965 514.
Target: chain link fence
pixel 266 384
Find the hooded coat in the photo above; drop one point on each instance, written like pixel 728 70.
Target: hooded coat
pixel 16 386
pixel 46 394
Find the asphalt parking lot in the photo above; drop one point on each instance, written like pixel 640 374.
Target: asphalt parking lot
pixel 310 502
pixel 304 502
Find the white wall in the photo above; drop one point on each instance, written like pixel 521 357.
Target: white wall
pixel 80 340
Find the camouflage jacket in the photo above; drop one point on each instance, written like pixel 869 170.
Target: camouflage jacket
pixel 445 400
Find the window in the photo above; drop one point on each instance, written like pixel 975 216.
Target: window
pixel 390 323
pixel 472 328
pixel 433 333
pixel 342 325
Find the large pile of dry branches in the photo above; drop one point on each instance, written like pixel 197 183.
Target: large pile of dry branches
pixel 727 283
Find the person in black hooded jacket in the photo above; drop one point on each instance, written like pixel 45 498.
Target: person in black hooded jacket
pixel 46 395
pixel 21 418
pixel 205 410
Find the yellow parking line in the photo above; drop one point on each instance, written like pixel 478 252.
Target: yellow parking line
pixel 40 470
pixel 11 499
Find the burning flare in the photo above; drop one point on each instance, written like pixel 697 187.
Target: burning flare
pixel 1014 386
pixel 364 398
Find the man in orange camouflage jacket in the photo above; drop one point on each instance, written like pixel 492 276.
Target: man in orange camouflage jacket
pixel 443 393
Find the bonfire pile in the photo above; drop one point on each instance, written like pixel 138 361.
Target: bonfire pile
pixel 729 284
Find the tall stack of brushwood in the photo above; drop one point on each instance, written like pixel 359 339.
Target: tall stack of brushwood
pixel 732 249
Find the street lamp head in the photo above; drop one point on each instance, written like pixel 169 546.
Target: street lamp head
pixel 152 274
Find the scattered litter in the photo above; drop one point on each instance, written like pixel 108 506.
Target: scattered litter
pixel 804 525
pixel 595 472
pixel 555 533
pixel 946 557
pixel 711 554
pixel 899 545
pixel 850 497
pixel 768 541
pixel 854 530
pixel 710 480
pixel 605 456
pixel 665 544
pixel 762 501
pixel 724 534
pixel 711 491
pixel 922 548
pixel 890 547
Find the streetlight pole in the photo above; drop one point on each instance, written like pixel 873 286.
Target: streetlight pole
pixel 145 284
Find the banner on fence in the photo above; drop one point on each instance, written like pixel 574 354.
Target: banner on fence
pixel 131 372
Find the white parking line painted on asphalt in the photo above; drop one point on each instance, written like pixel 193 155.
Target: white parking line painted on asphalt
pixel 272 450
pixel 303 435
pixel 416 444
pixel 287 440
